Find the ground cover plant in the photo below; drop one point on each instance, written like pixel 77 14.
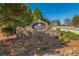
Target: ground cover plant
pixel 67 36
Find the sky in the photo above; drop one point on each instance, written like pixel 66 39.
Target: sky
pixel 54 11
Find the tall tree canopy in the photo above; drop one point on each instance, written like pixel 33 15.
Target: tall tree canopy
pixel 56 22
pixel 76 21
pixel 19 14
pixel 46 20
pixel 16 14
pixel 67 22
pixel 37 15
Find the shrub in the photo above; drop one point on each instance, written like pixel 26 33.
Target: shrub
pixel 44 47
pixel 67 36
pixel 9 29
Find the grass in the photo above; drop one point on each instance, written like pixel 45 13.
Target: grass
pixel 68 35
pixel 74 31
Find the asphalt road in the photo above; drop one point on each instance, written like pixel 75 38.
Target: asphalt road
pixel 70 28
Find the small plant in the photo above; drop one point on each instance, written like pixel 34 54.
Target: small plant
pixel 44 48
pixel 70 52
pixel 8 30
pixel 67 36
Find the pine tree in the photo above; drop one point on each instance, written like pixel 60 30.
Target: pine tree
pixel 37 15
pixel 16 14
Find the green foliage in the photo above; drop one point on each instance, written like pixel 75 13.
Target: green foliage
pixel 18 14
pixel 62 25
pixel 37 15
pixel 67 22
pixel 9 30
pixel 56 22
pixel 46 20
pixel 75 20
pixel 67 36
pixel 44 47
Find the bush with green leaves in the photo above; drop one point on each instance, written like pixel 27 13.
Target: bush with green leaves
pixel 8 31
pixel 67 36
pixel 44 48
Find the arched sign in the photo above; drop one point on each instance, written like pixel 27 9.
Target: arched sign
pixel 39 26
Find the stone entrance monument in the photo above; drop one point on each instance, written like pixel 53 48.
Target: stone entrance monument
pixel 39 26
pixel 35 27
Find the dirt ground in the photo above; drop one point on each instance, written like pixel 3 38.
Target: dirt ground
pixel 2 37
pixel 71 46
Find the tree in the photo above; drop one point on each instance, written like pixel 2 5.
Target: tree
pixel 46 20
pixel 16 14
pixel 56 22
pixel 13 15
pixel 75 20
pixel 0 15
pixel 67 22
pixel 37 15
pixel 8 31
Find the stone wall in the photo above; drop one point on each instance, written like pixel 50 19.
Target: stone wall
pixel 24 33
